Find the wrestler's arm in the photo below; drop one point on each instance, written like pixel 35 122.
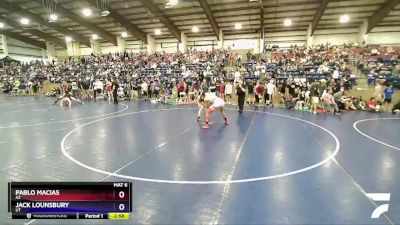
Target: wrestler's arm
pixel 58 99
pixel 77 100
pixel 206 104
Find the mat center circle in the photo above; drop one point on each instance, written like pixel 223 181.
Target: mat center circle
pixel 229 180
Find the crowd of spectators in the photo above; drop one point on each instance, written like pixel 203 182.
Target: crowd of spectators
pixel 379 63
pixel 305 79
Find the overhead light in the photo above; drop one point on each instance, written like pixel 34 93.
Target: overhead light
pixel 238 26
pixel 157 31
pixel 24 21
pixel 68 39
pixel 171 3
pixel 94 36
pixel 287 22
pixel 87 12
pixel 53 17
pixel 195 29
pixel 104 13
pixel 1 25
pixel 344 19
pixel 124 34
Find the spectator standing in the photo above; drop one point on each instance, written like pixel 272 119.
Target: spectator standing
pixel 97 88
pixel 388 92
pixel 181 90
pixel 151 89
pixel 282 91
pixel 35 87
pixel 120 92
pixel 222 90
pixel 127 90
pixel 293 101
pixel 22 88
pixel 250 91
pixel 109 90
pixel 144 87
pixel 228 92
pixel 379 92
pixel 204 86
pixel 291 86
pixel 139 88
pixel 213 87
pixel 260 90
pixel 85 87
pixel 236 76
pixel 64 87
pixel 74 88
pixel 29 87
pixel 134 87
pixel 156 89
pixel 196 88
pixel 271 88
pixel 40 87
pixel 314 94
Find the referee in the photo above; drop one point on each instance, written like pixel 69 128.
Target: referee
pixel 241 93
pixel 115 86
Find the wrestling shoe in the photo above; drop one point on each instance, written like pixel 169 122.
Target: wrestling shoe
pixel 206 126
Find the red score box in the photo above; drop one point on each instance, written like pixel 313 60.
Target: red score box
pixel 122 194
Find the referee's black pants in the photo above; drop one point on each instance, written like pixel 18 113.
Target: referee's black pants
pixel 115 97
pixel 241 102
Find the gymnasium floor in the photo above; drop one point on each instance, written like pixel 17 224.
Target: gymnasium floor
pixel 269 166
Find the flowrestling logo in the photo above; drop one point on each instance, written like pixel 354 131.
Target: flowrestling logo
pixel 379 197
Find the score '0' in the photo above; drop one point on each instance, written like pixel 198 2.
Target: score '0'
pixel 121 194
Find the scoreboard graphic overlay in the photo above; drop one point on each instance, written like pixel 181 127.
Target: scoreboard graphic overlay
pixel 70 200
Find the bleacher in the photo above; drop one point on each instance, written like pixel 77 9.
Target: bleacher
pixel 173 72
pixel 381 69
pixel 304 72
